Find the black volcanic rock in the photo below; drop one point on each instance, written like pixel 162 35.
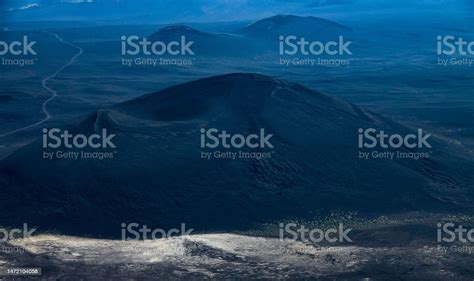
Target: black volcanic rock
pixel 157 176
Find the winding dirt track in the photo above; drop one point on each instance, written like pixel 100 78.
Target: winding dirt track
pixel 54 94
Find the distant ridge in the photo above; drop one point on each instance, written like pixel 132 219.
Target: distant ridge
pixel 179 29
pixel 294 25
pixel 204 43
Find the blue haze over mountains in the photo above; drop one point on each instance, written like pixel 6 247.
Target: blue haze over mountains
pixel 151 11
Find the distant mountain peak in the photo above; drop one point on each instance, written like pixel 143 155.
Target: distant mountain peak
pixel 282 22
pixel 194 99
pixel 179 27
pixel 248 76
pixel 285 16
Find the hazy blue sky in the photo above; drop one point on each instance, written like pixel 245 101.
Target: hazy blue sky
pixel 227 10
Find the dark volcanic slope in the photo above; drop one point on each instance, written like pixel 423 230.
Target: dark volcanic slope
pixel 157 176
